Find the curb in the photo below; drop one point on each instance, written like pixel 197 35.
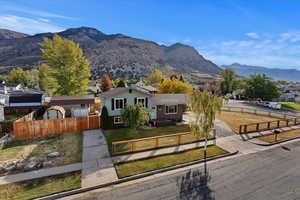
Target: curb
pixel 273 143
pixel 131 178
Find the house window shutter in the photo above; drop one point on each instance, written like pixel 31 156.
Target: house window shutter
pixel 112 104
pixel 125 102
pixel 135 100
pixel 146 102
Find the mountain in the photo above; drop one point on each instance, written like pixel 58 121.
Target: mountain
pixel 119 55
pixel 8 34
pixel 274 73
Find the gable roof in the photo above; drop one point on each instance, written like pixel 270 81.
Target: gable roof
pixel 169 99
pixel 115 91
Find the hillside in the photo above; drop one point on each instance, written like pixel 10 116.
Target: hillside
pixel 274 73
pixel 7 34
pixel 117 54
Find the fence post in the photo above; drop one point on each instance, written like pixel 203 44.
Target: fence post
pixel 257 126
pixel 245 128
pixel 287 122
pixel 214 135
pixel 240 131
pixel 113 148
pixel 179 139
pixel 156 142
pixel 269 124
pixel 278 123
pixel 295 121
pixel 131 146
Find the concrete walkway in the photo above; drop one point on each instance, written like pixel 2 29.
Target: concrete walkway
pixel 40 173
pixel 97 166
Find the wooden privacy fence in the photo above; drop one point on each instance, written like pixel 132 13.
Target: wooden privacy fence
pixel 28 129
pixel 130 146
pixel 269 125
pixel 258 112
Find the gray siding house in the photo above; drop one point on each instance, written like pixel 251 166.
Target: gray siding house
pixel 162 107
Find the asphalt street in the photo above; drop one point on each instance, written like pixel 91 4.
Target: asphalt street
pixel 272 174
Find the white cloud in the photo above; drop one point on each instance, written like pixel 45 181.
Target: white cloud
pixel 30 11
pixel 270 50
pixel 27 25
pixel 252 35
pixel 292 36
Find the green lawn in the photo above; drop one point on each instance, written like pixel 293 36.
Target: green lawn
pixel 40 187
pixel 149 164
pixel 122 134
pixel 290 106
pixel 68 145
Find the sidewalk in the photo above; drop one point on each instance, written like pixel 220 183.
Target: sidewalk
pixel 97 166
pixel 40 173
pixel 156 152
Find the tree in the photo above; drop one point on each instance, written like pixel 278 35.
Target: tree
pixel 228 81
pixel 121 83
pixel 105 122
pixel 135 115
pixel 181 78
pixel 174 86
pixel 46 82
pixel 155 76
pixel 205 106
pixel 261 87
pixel 105 83
pixel 66 65
pixel 173 77
pixel 27 78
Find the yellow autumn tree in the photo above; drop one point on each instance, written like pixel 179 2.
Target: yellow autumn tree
pixel 174 86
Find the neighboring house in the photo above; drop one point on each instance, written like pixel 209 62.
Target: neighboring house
pixel 9 87
pixel 25 98
pixel 70 103
pixel 162 107
pixel 149 88
pixel 290 96
pixel 54 112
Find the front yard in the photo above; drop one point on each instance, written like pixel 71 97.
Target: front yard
pixel 281 136
pixel 40 187
pixel 131 168
pixel 69 146
pixel 235 119
pixel 122 134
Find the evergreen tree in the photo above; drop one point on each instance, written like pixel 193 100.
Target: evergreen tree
pixel 121 83
pixel 135 116
pixel 105 122
pixel 66 65
pixel 181 78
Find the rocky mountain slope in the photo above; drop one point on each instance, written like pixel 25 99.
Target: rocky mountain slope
pixel 274 73
pixel 7 34
pixel 117 54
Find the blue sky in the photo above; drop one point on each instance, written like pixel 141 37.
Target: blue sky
pixel 256 32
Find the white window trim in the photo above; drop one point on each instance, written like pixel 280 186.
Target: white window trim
pixel 115 102
pixel 137 100
pixel 118 117
pixel 171 113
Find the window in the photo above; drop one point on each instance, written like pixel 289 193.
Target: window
pixel 118 120
pixel 141 100
pixel 119 104
pixel 171 109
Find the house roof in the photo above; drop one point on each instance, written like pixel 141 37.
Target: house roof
pixel 148 88
pixel 70 100
pixel 27 96
pixel 115 91
pixel 169 99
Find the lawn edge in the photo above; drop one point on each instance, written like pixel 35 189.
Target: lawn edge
pixel 273 143
pixel 135 177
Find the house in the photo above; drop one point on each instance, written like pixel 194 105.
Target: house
pixel 149 88
pixel 70 103
pixel 163 108
pixel 9 87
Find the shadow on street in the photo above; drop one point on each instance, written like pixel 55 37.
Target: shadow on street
pixel 194 185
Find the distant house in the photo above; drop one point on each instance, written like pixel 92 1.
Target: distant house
pixel 9 87
pixel 162 107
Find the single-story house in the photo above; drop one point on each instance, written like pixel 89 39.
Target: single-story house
pixel 162 107
pixel 73 102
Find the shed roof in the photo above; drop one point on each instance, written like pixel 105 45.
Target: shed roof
pixel 169 99
pixel 69 100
